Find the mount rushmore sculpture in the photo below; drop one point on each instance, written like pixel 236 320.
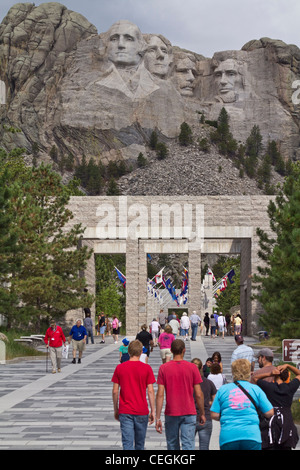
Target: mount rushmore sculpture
pixel 102 95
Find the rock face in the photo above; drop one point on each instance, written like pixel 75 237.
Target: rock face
pixel 102 95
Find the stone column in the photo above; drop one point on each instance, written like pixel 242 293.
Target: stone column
pixel 132 287
pixel 245 286
pixel 142 285
pixel 194 291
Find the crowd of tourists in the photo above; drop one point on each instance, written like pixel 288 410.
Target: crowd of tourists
pixel 254 409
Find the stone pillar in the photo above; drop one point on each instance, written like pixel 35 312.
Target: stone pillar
pixel 194 291
pixel 142 285
pixel 132 287
pixel 245 287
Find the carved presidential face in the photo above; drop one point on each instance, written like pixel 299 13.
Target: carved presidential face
pixel 124 46
pixel 157 59
pixel 228 79
pixel 185 74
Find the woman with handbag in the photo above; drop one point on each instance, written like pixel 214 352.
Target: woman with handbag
pixel 237 414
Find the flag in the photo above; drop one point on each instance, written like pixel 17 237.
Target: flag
pixel 159 277
pixel 209 271
pixel 121 277
pixel 230 276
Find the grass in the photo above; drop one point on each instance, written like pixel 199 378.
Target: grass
pixel 15 349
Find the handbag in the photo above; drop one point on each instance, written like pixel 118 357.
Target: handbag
pixel 263 421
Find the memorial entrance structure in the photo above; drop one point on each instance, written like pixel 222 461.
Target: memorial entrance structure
pixel 138 226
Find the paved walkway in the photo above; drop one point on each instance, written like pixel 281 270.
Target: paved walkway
pixel 73 409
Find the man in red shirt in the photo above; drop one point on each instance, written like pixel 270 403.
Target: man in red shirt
pixel 54 339
pixel 131 380
pixel 181 381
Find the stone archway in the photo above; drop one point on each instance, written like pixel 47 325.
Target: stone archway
pixel 136 226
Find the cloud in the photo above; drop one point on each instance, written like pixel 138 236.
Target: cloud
pixel 203 26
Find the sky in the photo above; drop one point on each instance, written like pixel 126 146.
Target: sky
pixel 201 26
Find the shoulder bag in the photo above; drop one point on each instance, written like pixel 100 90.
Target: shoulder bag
pixel 263 421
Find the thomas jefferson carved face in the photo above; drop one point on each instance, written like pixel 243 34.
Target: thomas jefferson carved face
pixel 228 79
pixel 157 58
pixel 124 44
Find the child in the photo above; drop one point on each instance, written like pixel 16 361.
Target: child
pixel 216 375
pixel 144 357
pixel 124 356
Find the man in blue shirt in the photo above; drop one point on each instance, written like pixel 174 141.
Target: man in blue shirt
pixel 78 335
pixel 243 352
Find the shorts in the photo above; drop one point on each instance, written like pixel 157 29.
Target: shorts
pixel 165 352
pixel 155 334
pixel 78 345
pixel 102 330
pixel 116 331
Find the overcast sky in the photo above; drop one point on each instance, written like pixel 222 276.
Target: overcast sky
pixel 202 26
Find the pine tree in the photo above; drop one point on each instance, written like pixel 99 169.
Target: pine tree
pixel 186 136
pixel 47 282
pixel 10 252
pixel 277 281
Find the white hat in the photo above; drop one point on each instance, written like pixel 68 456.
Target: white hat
pixel 184 313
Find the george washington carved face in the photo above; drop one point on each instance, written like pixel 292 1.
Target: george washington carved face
pixel 125 44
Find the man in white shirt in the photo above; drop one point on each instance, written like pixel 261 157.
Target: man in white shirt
pixel 243 352
pixel 221 324
pixel 195 321
pixel 185 325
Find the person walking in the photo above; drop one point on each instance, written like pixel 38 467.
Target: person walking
pixel 162 319
pixel 238 324
pixel 282 433
pixel 146 339
pixel 124 355
pixel 115 328
pixel 102 326
pixel 212 326
pixel 206 323
pixel 132 381
pixel 209 392
pixel 180 381
pixel 54 340
pixel 243 351
pixel 165 341
pixel 195 322
pixel 78 336
pixel 221 325
pixel 185 326
pixel 88 324
pixel 237 414
pixel 155 329
pixel 175 325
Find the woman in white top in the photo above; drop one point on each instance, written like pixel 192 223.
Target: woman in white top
pixel 155 327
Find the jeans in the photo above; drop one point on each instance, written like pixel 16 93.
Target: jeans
pixel 194 330
pixel 89 333
pixel 133 430
pixel 241 445
pixel 180 427
pixel 204 433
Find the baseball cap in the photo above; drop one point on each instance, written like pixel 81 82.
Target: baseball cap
pixel 265 352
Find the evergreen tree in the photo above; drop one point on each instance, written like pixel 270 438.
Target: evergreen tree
pixel 112 189
pixel 10 252
pixel 47 282
pixel 153 140
pixel 161 150
pixel 186 136
pixel 222 137
pixel 277 281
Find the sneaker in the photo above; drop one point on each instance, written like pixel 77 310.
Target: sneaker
pixel 54 372
pixel 74 361
pixel 102 342
pixel 58 370
pixel 79 361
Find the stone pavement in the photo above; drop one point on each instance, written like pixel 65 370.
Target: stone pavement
pixel 73 409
